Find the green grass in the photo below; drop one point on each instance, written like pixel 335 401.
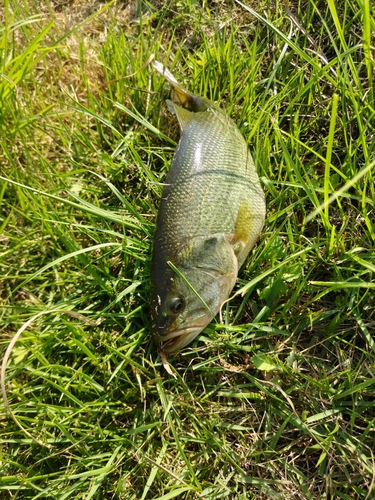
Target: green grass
pixel 278 400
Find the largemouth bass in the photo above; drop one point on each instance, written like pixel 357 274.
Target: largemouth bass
pixel 211 214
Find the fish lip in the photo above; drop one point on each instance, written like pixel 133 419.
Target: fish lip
pixel 176 332
pixel 168 342
pixel 174 344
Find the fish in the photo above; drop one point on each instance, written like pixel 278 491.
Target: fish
pixel 211 214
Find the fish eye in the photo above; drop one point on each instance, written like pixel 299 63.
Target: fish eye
pixel 176 305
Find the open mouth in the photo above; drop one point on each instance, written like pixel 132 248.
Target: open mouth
pixel 170 345
pixel 179 337
pixel 176 332
pixel 174 339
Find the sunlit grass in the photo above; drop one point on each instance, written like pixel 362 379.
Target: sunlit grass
pixel 277 400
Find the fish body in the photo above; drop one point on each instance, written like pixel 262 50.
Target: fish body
pixel 211 214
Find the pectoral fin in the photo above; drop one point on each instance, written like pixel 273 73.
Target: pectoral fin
pixel 243 239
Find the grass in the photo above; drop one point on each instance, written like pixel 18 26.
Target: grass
pixel 278 400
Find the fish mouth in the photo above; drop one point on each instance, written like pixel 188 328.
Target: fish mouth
pixel 179 337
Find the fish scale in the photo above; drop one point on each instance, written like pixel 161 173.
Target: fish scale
pixel 220 178
pixel 211 213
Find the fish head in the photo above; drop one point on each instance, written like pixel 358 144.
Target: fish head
pixel 188 294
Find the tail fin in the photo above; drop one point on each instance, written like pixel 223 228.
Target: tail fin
pixel 181 96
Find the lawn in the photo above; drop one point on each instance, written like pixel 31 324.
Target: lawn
pixel 275 399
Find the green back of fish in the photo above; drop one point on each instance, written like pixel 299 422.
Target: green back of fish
pixel 212 186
